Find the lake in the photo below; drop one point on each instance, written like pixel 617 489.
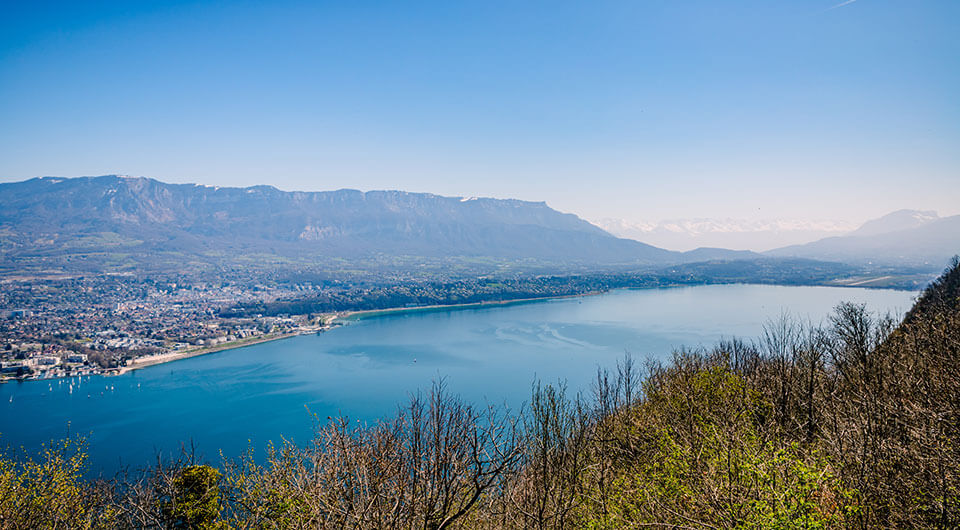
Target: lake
pixel 232 399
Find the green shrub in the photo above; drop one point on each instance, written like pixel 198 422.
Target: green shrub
pixel 195 502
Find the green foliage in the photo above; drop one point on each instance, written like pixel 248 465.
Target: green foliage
pixel 266 496
pixel 693 452
pixel 195 502
pixel 48 492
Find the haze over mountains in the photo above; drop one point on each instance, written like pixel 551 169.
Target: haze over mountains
pixel 904 237
pixel 744 234
pixel 123 223
pixel 901 238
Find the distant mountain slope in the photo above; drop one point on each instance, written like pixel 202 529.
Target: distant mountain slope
pixel 906 237
pixel 895 221
pixel 112 216
pixel 682 234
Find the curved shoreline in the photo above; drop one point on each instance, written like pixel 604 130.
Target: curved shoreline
pixel 338 319
pixel 343 317
pixel 163 358
pixel 346 316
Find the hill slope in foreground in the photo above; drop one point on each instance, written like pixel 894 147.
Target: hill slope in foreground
pixel 856 424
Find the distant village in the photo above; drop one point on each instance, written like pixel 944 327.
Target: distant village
pixel 63 327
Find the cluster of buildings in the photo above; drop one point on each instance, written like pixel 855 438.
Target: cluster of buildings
pixel 69 326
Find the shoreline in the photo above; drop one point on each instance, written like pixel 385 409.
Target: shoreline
pixel 164 358
pixel 343 317
pixel 338 319
pixel 361 314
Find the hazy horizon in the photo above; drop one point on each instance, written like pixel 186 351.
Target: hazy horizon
pixel 807 111
pixel 679 234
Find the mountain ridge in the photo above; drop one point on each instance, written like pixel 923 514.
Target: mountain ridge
pixel 903 237
pixel 60 216
pixel 895 221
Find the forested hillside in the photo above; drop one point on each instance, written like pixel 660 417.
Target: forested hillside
pixel 853 424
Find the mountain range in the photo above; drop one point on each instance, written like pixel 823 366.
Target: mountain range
pixel 901 238
pixel 97 220
pixel 117 223
pixel 904 237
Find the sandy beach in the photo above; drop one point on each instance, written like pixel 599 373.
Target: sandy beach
pixel 151 360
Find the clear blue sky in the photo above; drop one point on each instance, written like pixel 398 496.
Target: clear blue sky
pixel 633 109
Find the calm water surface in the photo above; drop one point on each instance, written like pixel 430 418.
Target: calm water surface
pixel 231 399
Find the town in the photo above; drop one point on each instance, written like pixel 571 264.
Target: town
pixel 68 326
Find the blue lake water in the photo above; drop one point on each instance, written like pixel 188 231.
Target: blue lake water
pixel 232 399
